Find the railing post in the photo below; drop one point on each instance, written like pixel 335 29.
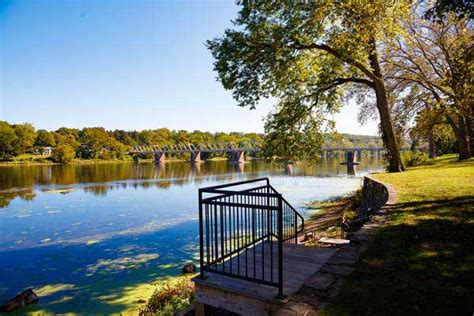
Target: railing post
pixel 201 238
pixel 295 227
pixel 280 246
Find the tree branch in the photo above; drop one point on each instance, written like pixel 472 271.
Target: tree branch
pixel 335 53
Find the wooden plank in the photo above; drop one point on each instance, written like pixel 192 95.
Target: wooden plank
pixel 234 302
pixel 299 264
pixel 294 253
pixel 242 287
pixel 315 253
pixel 334 241
pixel 291 281
pixel 291 263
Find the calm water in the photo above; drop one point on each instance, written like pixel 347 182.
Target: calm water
pixel 85 235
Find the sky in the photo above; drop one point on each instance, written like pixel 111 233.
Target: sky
pixel 123 64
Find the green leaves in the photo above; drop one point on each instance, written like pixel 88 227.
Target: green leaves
pixel 307 55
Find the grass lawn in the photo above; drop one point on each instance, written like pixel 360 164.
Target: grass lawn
pixel 422 261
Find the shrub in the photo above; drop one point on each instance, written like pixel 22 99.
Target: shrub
pixel 356 198
pixel 415 158
pixel 105 155
pixel 170 297
pixel 41 160
pixel 350 215
pixel 63 153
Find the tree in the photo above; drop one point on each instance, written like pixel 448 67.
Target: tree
pixel 303 52
pixel 461 8
pixel 8 140
pixel 290 142
pixel 123 137
pixel 65 131
pixel 95 140
pixel 44 138
pixel 26 136
pixel 63 153
pixel 146 137
pixel 431 127
pixel 434 61
pixel 162 136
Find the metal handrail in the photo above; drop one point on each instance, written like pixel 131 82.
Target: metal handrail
pixel 238 224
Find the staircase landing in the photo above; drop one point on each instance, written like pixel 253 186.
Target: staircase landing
pixel 250 298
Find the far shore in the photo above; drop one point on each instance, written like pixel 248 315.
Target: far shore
pixel 97 161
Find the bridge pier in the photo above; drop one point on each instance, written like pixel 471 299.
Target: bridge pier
pixel 195 157
pixel 196 168
pixel 160 157
pixel 239 156
pixel 351 157
pixel 239 167
pixel 358 154
pixel 351 169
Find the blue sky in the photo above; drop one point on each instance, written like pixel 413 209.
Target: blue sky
pixel 122 64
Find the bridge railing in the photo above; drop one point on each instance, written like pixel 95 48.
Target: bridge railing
pixel 224 147
pixel 195 147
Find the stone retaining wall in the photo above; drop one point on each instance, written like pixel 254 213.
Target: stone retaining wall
pixel 375 194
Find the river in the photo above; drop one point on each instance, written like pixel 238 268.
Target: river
pixel 86 237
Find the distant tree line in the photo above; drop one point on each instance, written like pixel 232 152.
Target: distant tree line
pixel 98 143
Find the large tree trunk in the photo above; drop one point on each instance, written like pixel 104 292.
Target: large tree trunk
pixel 461 131
pixel 431 145
pixel 388 135
pixel 471 135
pixel 463 143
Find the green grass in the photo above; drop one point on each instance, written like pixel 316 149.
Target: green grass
pixel 26 159
pixel 421 262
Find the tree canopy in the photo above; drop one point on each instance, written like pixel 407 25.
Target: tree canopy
pixel 430 66
pixel 302 54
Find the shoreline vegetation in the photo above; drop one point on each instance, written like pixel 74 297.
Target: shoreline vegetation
pixel 38 160
pixel 170 296
pixel 22 143
pixel 326 220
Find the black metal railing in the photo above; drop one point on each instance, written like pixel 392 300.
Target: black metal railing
pixel 242 228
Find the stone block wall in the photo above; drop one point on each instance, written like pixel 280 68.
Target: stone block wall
pixel 375 194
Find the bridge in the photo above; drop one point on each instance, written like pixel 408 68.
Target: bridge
pixel 238 151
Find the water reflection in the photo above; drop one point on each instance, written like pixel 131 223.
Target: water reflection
pixel 351 169
pixel 20 181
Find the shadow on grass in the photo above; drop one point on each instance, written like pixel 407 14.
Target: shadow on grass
pixel 420 264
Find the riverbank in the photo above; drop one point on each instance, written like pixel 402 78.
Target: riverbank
pixel 38 160
pixel 329 214
pixel 420 261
